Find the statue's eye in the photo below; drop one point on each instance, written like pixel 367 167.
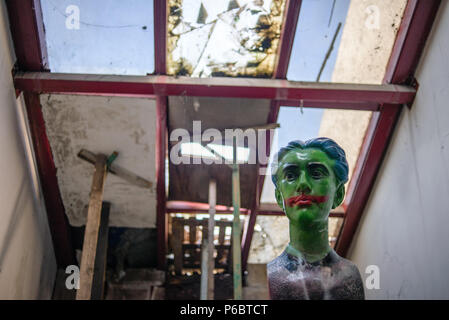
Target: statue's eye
pixel 318 171
pixel 290 176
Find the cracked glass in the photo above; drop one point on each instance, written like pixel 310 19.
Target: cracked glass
pixel 236 38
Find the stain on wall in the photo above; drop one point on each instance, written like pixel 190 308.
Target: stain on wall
pixel 103 124
pixel 404 226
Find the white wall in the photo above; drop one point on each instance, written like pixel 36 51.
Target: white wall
pixel 405 226
pixel 27 262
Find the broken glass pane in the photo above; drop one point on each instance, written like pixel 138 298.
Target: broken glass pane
pixel 236 38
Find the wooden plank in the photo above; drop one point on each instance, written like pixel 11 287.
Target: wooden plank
pixel 210 243
pixel 192 230
pixel 236 234
pixel 207 256
pixel 204 269
pixel 119 171
pixel 92 230
pixel 101 256
pixel 221 232
pixel 158 293
pixel 178 239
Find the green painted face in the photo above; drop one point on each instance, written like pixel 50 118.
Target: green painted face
pixel 307 188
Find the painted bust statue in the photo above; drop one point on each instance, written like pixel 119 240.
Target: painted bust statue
pixel 309 178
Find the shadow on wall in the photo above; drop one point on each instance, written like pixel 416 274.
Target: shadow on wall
pixel 127 248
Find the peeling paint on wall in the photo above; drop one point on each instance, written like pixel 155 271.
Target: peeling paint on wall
pixel 103 124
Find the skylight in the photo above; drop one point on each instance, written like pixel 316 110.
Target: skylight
pixel 223 38
pixel 100 37
pixel 197 150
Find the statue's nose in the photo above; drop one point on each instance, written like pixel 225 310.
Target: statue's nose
pixel 303 184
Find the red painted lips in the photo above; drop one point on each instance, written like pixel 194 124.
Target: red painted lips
pixel 305 200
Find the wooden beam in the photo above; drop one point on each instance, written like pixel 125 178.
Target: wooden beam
pixel 207 258
pixel 161 150
pixel 214 87
pixel 118 171
pixel 92 230
pixel 101 255
pixel 236 228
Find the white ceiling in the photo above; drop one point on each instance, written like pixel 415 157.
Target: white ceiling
pixel 103 124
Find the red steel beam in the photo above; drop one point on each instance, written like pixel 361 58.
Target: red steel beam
pixel 160 67
pixel 291 16
pixel 27 31
pixel 273 89
pixel 176 206
pixel 378 135
pixel 410 41
pixel 160 36
pixel 367 106
pixel 161 150
pixel 200 208
pixel 57 220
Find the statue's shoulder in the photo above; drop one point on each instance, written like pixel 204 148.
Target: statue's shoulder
pixel 345 265
pixel 349 277
pixel 278 262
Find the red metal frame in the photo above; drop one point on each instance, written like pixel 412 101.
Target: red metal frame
pixel 272 89
pixel 160 38
pixel 409 45
pixel 411 38
pixel 27 29
pixel 161 150
pixel 291 15
pixel 288 32
pixel 199 207
pixel 57 220
pixel 160 68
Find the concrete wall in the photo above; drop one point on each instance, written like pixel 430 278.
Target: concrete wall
pixel 27 262
pixel 404 229
pixel 104 124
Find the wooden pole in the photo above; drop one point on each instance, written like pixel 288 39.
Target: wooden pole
pixel 236 250
pixel 210 237
pixel 101 256
pixel 207 256
pixel 92 230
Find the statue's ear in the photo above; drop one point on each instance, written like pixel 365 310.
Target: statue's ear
pixel 279 198
pixel 339 195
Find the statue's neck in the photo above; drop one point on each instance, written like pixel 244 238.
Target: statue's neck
pixel 311 243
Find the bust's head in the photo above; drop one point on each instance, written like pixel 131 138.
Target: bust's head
pixel 309 178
